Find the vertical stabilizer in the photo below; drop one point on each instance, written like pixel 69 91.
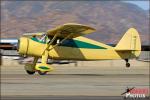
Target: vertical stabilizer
pixel 130 41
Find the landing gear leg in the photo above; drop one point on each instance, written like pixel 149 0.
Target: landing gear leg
pixel 127 63
pixel 43 67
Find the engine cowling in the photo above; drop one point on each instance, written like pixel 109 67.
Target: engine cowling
pixel 23 44
pixel 27 46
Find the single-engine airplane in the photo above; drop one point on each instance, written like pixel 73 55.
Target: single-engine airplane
pixel 66 42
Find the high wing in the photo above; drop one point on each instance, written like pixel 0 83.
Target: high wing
pixel 70 30
pixel 67 31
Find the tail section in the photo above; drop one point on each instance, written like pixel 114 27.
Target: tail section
pixel 130 42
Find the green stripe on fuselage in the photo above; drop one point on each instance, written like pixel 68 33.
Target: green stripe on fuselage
pixel 75 44
pixel 80 44
pixel 37 40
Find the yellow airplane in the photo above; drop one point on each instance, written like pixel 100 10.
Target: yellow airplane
pixel 67 43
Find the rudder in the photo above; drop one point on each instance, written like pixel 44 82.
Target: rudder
pixel 130 41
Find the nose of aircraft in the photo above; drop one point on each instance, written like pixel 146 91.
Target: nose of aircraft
pixel 22 46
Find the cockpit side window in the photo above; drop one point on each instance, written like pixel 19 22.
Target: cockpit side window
pixel 38 39
pixel 68 43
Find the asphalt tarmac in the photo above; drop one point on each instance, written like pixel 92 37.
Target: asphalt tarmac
pixel 85 82
pixel 63 98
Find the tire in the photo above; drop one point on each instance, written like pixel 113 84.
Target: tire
pixel 30 73
pixel 127 65
pixel 42 73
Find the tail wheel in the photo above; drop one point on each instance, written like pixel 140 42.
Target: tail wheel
pixel 127 65
pixel 42 73
pixel 30 72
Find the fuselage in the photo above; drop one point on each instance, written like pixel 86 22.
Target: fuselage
pixel 79 48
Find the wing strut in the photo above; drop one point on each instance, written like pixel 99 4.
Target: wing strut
pixel 45 52
pixel 48 45
pixel 61 41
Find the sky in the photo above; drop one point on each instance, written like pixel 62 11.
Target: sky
pixel 143 4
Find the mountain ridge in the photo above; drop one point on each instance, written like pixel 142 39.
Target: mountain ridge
pixel 111 19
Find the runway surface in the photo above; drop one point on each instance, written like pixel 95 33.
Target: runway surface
pixel 72 83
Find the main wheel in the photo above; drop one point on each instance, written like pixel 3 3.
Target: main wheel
pixel 29 68
pixel 30 72
pixel 127 65
pixel 42 73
